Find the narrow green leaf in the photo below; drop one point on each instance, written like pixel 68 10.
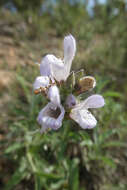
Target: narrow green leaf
pixel 113 94
pixel 14 147
pixel 74 175
pixel 114 143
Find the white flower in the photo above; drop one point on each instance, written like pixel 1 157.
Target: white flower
pixel 81 114
pixel 51 116
pixel 58 68
pixel 41 81
pixel 53 95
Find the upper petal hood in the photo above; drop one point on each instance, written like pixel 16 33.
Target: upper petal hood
pixel 69 48
pixel 46 64
pixel 58 69
pixel 69 53
pixel 53 67
pixel 45 68
pixel 61 69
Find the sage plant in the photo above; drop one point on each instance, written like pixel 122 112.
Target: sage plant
pixel 63 90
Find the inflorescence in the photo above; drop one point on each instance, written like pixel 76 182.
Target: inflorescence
pixel 63 88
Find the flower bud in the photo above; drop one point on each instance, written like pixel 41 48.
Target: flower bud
pixel 70 101
pixel 85 84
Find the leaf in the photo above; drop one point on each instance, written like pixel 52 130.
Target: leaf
pixel 15 179
pixel 101 83
pixel 107 161
pixel 24 85
pixel 105 135
pixel 86 143
pixel 14 147
pixel 38 184
pixel 113 94
pixel 74 175
pixel 59 184
pixel 114 143
pixel 48 175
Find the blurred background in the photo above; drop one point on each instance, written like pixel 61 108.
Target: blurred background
pixel 68 159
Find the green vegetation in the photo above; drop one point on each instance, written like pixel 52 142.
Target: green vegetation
pixel 70 158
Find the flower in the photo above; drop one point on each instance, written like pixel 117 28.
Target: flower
pixel 81 114
pixel 41 81
pixel 51 116
pixel 58 68
pixel 53 71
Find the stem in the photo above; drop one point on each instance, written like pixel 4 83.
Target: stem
pixel 31 162
pixel 33 168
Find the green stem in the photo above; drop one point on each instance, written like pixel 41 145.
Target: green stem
pixel 33 168
pixel 31 162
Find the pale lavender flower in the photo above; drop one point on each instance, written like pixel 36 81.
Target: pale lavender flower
pixel 51 116
pixel 81 114
pixel 53 71
pixel 58 68
pixel 41 81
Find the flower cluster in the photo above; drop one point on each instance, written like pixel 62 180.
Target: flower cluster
pixel 63 88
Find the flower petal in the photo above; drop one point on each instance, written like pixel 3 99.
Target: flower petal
pixel 41 81
pixel 84 118
pixel 69 48
pixel 46 64
pixel 69 53
pixel 60 70
pixel 94 101
pixel 45 68
pixel 53 95
pixel 52 66
pixel 47 120
pixel 57 68
pixel 51 123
